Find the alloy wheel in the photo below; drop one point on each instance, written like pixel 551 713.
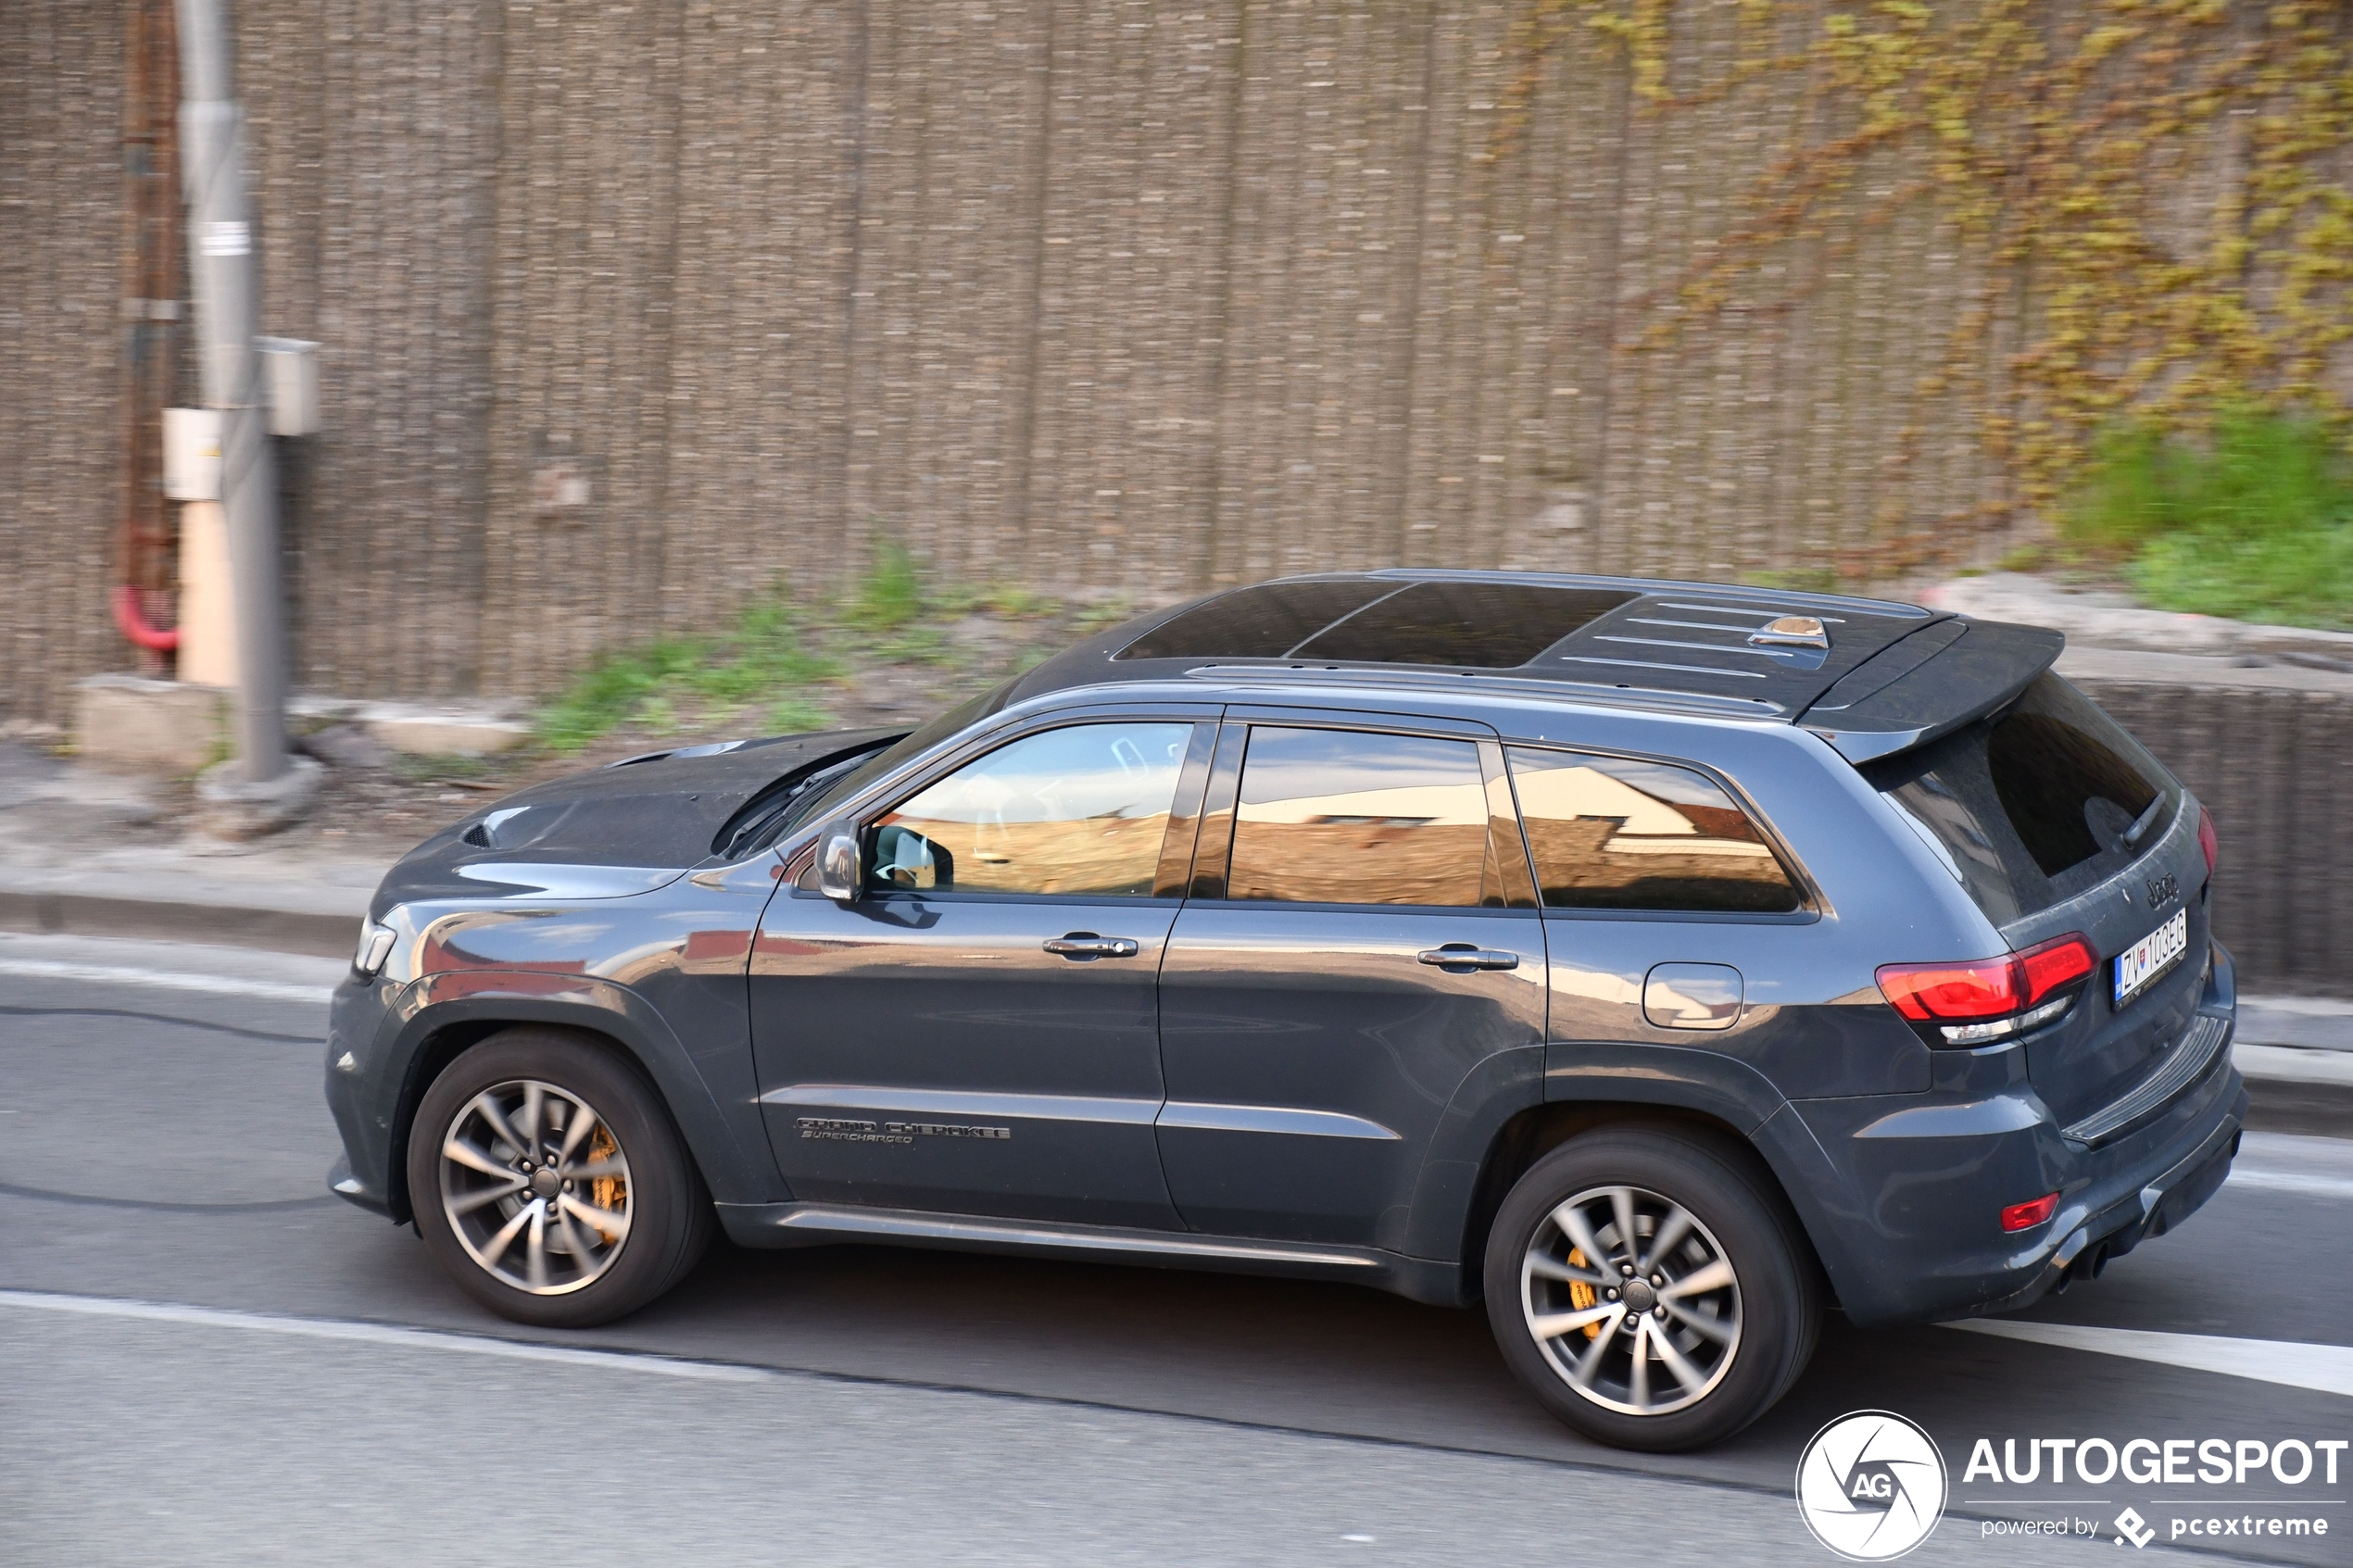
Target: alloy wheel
pixel 535 1188
pixel 1631 1301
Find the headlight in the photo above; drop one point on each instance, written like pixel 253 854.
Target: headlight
pixel 375 945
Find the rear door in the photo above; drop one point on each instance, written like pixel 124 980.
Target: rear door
pixel 1362 932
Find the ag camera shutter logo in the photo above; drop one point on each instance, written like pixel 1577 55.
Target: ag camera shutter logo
pixel 1871 1485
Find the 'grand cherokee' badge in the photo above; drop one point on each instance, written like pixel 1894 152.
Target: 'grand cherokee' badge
pixel 841 1130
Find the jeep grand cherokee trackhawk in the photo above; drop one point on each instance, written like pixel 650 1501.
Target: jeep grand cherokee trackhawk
pixel 1662 962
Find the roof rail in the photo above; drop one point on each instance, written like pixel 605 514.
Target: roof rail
pixel 1893 609
pixel 1480 683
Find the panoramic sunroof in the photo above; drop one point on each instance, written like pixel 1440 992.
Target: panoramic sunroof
pixel 1262 622
pixel 1466 625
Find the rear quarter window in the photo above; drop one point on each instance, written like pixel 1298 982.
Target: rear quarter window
pixel 2032 806
pixel 1610 834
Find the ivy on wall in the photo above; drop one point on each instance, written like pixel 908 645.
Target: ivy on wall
pixel 2151 195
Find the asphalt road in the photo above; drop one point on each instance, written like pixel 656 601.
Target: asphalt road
pixel 203 1358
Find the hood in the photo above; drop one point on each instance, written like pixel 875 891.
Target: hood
pixel 627 828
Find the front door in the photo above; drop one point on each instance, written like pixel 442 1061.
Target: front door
pixel 977 1032
pixel 1371 938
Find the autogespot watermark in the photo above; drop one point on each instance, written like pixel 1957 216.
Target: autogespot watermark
pixel 2269 1465
pixel 1871 1485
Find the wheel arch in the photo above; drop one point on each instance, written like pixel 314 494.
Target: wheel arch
pixel 440 1030
pixel 1528 1134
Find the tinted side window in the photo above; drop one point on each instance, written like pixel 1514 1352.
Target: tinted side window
pixel 1613 835
pixel 1346 817
pixel 1076 810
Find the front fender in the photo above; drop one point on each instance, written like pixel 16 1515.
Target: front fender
pixel 428 1007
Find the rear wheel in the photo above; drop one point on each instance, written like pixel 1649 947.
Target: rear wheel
pixel 1649 1290
pixel 547 1178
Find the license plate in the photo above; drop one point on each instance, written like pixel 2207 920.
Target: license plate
pixel 2142 964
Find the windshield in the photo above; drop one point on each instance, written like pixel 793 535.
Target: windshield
pixel 815 803
pixel 2040 802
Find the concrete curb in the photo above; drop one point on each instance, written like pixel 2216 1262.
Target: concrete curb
pixel 321 920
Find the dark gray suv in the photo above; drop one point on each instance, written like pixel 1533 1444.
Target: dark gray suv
pixel 1662 962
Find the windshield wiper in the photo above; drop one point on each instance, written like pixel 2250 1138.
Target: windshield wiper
pixel 2141 824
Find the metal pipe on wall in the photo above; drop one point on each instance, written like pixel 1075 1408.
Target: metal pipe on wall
pixel 155 287
pixel 227 277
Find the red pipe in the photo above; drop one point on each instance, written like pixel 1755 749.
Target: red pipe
pixel 133 625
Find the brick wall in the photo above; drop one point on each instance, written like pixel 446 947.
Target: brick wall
pixel 1092 293
pixel 2272 766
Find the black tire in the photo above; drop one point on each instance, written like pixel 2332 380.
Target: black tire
pixel 668 1210
pixel 1774 1300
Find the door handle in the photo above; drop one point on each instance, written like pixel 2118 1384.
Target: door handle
pixel 1081 946
pixel 1460 957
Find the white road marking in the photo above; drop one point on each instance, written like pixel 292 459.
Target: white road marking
pixel 381 1333
pixel 166 980
pixel 2290 1181
pixel 2325 1368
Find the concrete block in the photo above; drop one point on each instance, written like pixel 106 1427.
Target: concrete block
pixel 443 731
pixel 233 807
pixel 158 726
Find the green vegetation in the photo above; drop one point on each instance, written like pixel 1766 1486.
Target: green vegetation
pixel 775 660
pixel 762 662
pixel 2254 521
pixel 891 593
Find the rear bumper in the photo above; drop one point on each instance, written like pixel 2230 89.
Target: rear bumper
pixel 2165 1202
pixel 1906 1218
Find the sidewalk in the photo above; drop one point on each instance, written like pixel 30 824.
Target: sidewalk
pixel 94 853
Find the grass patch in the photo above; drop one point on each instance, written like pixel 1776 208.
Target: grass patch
pixel 2254 521
pixel 762 663
pixel 891 593
pixel 774 661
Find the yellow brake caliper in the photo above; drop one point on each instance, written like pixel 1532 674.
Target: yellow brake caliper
pixel 607 1192
pixel 1580 1295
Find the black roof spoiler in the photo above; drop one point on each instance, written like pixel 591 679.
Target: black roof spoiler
pixel 1930 683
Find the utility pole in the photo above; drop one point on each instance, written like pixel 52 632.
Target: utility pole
pixel 227 277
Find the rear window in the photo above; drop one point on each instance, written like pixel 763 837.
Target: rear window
pixel 2027 809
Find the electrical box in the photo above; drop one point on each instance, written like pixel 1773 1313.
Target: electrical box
pixel 192 454
pixel 290 370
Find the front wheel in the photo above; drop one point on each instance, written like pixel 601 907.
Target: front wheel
pixel 548 1180
pixel 1649 1290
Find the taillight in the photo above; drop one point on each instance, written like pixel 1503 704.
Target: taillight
pixel 2026 1216
pixel 2052 966
pixel 1992 999
pixel 2207 844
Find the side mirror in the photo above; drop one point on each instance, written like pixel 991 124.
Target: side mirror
pixel 838 875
